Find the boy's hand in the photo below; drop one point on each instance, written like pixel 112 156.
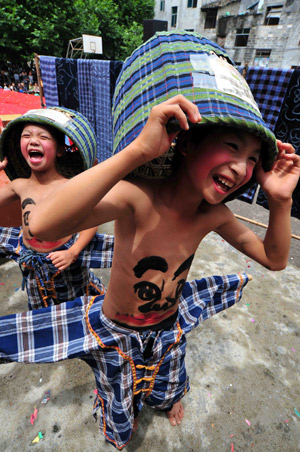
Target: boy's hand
pixel 154 140
pixel 280 182
pixel 62 259
pixel 3 164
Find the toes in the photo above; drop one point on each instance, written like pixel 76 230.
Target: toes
pixel 172 421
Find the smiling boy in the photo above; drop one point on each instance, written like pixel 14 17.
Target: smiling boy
pixel 158 227
pixel 49 268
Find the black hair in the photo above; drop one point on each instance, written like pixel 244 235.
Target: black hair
pixel 187 140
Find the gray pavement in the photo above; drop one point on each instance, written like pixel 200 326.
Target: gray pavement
pixel 243 366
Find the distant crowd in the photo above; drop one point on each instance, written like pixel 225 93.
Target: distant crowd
pixel 20 80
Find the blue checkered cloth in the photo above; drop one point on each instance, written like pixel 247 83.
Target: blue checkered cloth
pixel 123 371
pixel 48 72
pixel 45 284
pixel 268 86
pixel 103 114
pixel 85 89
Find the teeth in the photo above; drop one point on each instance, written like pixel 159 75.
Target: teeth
pixel 226 182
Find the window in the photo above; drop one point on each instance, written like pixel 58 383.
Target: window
pixel 273 15
pixel 211 18
pixel 241 37
pixel 192 4
pixel 262 57
pixel 174 16
pixel 162 5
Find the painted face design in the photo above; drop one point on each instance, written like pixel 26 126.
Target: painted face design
pixel 38 147
pixel 223 163
pixel 150 292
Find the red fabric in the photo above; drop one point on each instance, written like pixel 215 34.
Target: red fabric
pixel 12 102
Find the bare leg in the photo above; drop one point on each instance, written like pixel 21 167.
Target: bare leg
pixel 175 415
pixel 135 424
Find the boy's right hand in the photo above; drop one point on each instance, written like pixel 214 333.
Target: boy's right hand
pixel 62 259
pixel 154 140
pixel 3 164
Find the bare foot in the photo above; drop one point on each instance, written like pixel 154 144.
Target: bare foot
pixel 175 415
pixel 135 424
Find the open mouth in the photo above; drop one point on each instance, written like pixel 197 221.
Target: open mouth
pixel 35 156
pixel 223 183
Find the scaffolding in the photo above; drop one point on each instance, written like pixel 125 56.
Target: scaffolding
pixel 86 45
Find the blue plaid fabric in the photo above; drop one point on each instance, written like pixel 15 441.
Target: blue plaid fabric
pixel 48 72
pixel 45 284
pixel 79 329
pixel 85 89
pixel 103 114
pixel 268 87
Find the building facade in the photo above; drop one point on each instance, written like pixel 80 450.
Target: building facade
pixel 257 33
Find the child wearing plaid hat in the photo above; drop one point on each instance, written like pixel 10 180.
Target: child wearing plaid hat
pixel 57 271
pixel 158 227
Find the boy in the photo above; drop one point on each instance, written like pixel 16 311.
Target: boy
pixel 134 337
pixel 51 271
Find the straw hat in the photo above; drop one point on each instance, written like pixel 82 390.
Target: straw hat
pixel 182 62
pixel 78 156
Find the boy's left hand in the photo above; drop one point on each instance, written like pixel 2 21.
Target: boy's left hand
pixel 62 259
pixel 280 182
pixel 3 164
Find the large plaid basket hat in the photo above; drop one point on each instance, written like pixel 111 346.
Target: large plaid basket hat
pixel 80 141
pixel 181 62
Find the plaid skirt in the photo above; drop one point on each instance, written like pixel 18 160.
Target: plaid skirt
pixel 45 284
pixel 125 374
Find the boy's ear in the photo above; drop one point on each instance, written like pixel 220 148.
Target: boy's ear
pixel 60 151
pixel 183 144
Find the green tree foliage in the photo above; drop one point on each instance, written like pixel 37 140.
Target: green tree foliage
pixel 29 26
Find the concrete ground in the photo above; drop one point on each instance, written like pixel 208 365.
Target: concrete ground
pixel 243 366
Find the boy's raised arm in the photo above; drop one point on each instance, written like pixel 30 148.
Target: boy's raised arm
pixel 7 192
pixel 67 208
pixel 278 184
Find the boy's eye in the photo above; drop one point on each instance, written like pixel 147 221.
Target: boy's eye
pixel 232 145
pixel 253 159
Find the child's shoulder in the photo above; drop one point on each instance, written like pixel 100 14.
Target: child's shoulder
pixel 137 185
pixel 18 185
pixel 216 214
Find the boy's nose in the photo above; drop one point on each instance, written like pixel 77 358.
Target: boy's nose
pixel 239 167
pixel 33 139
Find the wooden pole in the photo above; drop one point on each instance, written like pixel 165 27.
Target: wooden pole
pixel 257 223
pixel 39 78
